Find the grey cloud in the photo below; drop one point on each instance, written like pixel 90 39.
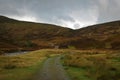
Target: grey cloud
pixel 70 13
pixel 76 26
pixel 110 13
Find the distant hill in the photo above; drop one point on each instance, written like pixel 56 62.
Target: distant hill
pixel 20 35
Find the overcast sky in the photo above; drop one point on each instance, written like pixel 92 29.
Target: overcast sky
pixel 68 13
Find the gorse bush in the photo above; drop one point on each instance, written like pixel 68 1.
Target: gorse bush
pixel 71 47
pixel 9 66
pixel 1 52
pixel 29 44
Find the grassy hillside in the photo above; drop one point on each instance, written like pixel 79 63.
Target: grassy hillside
pixel 19 35
pixel 106 36
pixel 26 35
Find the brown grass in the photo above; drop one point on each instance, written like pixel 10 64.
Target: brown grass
pixel 101 65
pixel 24 66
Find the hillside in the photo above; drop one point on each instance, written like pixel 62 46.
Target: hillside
pixel 107 34
pixel 20 35
pixel 27 35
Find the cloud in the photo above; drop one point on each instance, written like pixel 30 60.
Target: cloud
pixel 108 10
pixel 68 13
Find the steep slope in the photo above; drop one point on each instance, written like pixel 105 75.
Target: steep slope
pixel 20 35
pixel 27 35
pixel 107 34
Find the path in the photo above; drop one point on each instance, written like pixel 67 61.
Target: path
pixel 52 70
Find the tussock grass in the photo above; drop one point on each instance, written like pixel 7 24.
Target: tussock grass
pixel 80 64
pixel 23 66
pixel 95 65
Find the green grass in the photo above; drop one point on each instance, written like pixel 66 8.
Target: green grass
pixel 76 73
pixel 19 73
pixel 24 66
pixel 81 65
pixel 90 66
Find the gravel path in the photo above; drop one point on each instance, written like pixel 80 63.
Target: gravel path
pixel 52 70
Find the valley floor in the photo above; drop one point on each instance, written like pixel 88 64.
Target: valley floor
pixel 48 64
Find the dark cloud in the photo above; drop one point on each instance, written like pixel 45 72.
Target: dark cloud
pixel 69 13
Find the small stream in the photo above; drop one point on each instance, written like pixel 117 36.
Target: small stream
pixel 16 53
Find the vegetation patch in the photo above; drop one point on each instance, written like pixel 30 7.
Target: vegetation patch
pixel 93 65
pixel 24 66
pixel 79 73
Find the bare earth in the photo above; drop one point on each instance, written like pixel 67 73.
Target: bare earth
pixel 52 70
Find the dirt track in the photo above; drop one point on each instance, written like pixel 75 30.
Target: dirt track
pixel 52 70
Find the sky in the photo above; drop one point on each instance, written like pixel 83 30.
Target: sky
pixel 74 14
